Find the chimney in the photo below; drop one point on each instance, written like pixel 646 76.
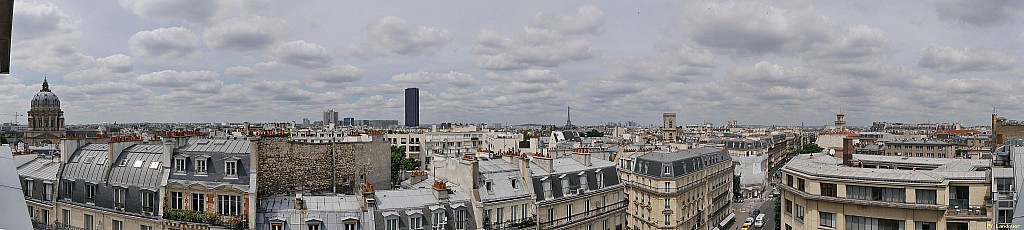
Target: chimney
pixel 368 194
pixel 300 204
pixel 582 156
pixel 544 160
pixel 417 176
pixel 848 151
pixel 116 145
pixel 168 149
pixel 441 191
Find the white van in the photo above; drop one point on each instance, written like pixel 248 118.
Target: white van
pixel 759 222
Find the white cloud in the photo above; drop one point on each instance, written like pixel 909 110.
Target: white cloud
pixel 532 47
pixel 588 19
pixel 416 79
pixel 335 75
pixel 164 44
pixel 245 33
pixel 193 11
pixel 44 37
pixel 978 13
pixel 301 53
pixel 400 37
pixel 951 60
pixel 176 79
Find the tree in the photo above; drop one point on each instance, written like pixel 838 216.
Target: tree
pixel 401 163
pixel 811 148
pixel 778 210
pixel 3 140
pixel 736 185
pixel 594 133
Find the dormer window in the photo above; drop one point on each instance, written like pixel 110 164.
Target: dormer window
pixel 201 165
pixel 119 198
pixel 231 168
pixel 179 165
pixel 515 183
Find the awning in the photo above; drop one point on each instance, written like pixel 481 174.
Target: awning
pixel 727 219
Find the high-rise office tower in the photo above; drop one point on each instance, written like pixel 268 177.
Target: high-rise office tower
pixel 330 117
pixel 412 107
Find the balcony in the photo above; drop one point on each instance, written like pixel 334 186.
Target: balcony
pixel 584 217
pixel 527 223
pixel 844 200
pixel 967 213
pixel 40 225
pixel 205 218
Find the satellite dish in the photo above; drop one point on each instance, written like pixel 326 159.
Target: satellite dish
pixel 831 152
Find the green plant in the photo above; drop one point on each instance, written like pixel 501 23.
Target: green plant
pixel 778 210
pixel 400 163
pixel 811 148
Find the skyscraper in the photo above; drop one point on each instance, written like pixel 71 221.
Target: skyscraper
pixel 330 117
pixel 412 107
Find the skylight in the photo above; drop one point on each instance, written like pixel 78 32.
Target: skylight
pixel 138 164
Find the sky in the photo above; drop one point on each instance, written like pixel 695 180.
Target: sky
pixel 515 62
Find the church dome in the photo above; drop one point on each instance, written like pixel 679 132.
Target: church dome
pixel 45 97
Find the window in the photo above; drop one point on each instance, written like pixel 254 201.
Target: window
pixel 600 180
pixel 788 205
pixel 176 200
pixel 513 212
pixel 789 180
pixel 568 212
pixel 586 207
pixel 523 208
pixel 44 215
pixel 668 219
pixel 925 196
pixel 28 187
pixel 857 222
pixel 353 225
pixel 583 182
pixel 668 203
pixel 565 186
pixel 88 222
pixel 90 192
pixel 199 202
pixel 800 184
pixel 827 219
pixel 828 189
pixel 392 224
pixel 489 186
pixel 116 225
pixel 416 222
pixel 551 214
pixel 200 166
pixel 515 183
pixel 179 165
pixel 919 225
pixel 47 191
pixel 119 198
pixel 799 212
pixel 500 215
pixel 313 226
pixel 276 226
pixel 148 201
pixel 228 205
pixel 439 220
pixel 231 168
pixel 67 216
pixel 875 193
pixel 547 190
pixel 67 187
pixel 460 219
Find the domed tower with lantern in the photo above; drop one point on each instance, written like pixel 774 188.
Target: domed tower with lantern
pixel 45 119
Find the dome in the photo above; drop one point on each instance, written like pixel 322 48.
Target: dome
pixel 45 97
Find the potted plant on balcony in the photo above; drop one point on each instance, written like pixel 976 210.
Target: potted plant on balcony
pixel 211 218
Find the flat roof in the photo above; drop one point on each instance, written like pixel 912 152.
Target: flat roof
pixel 822 165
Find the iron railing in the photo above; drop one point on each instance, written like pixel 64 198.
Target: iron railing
pixel 585 215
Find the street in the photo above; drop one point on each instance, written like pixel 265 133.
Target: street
pixel 767 207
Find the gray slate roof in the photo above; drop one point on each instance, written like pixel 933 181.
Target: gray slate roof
pixel 39 169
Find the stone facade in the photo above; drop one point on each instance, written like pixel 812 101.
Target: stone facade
pixel 286 167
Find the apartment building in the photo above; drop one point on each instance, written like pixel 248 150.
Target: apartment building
pixel 210 176
pixel 686 189
pixel 884 192
pixel 920 148
pixel 575 191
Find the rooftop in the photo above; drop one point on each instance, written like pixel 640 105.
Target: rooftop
pixel 823 165
pixel 666 157
pixel 416 198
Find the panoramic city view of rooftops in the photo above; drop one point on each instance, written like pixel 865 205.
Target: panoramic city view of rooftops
pixel 582 115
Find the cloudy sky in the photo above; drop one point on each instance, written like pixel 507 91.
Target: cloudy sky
pixel 774 62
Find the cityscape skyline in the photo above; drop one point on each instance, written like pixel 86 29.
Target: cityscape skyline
pixel 774 62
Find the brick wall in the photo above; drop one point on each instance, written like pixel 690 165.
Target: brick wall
pixel 285 167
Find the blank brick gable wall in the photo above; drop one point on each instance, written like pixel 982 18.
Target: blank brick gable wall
pixel 286 167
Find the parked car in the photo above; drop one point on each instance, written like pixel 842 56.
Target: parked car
pixel 759 221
